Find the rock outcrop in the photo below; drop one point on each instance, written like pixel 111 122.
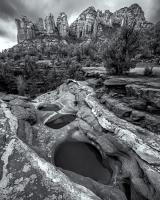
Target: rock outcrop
pixel 50 24
pixel 40 25
pixel 26 29
pixel 84 25
pixel 95 23
pixel 27 167
pixel 24 175
pixel 62 25
pixel 90 23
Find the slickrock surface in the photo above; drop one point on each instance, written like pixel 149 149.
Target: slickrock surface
pixel 24 175
pixel 28 146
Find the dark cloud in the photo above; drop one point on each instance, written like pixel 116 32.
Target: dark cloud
pixel 3 33
pixel 155 15
pixel 10 8
pixel 13 8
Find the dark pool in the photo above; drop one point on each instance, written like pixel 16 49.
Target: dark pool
pixel 49 107
pixel 82 158
pixel 60 120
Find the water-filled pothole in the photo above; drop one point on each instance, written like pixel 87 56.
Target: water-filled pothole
pixel 49 107
pixel 60 120
pixel 83 159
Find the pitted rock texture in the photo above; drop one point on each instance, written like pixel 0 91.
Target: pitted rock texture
pixel 132 152
pixel 135 150
pixel 24 175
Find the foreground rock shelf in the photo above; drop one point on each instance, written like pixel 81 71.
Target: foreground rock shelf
pixel 28 146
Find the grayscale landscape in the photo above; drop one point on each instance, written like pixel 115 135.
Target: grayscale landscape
pixel 79 100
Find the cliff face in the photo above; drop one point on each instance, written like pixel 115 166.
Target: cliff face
pixel 90 23
pixel 93 23
pixel 50 26
pixel 132 13
pixel 62 24
pixel 27 30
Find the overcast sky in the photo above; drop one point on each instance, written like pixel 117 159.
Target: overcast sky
pixel 9 9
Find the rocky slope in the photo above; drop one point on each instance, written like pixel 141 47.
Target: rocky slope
pixel 28 147
pixel 90 23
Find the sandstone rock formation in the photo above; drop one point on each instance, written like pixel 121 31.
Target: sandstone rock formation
pixel 95 23
pixel 26 29
pixel 62 25
pixel 27 149
pixel 90 23
pixel 84 24
pixel 50 24
pixel 40 25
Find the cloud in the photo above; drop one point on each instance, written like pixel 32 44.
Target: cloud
pixel 155 7
pixel 9 9
pixel 7 29
pixel 6 43
pixel 13 8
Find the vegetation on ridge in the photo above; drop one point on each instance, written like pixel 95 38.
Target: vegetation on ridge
pixel 45 63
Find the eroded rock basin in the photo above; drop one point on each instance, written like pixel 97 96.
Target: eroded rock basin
pixel 60 120
pixel 49 107
pixel 82 158
pixel 30 147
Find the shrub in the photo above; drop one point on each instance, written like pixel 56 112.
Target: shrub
pixel 146 54
pixel 79 55
pixel 21 85
pixel 75 72
pixel 121 50
pixel 156 40
pixel 148 71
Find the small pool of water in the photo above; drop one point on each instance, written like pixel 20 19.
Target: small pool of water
pixel 60 120
pixel 83 159
pixel 49 107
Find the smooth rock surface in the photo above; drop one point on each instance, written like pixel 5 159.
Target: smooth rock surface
pixel 27 166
